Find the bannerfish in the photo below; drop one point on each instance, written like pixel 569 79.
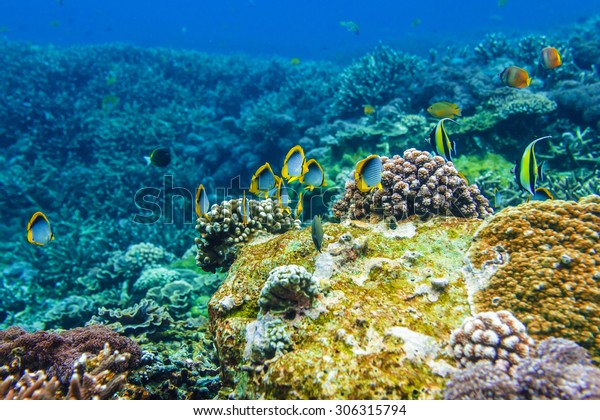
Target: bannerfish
pixel 293 165
pixel 440 142
pixel 368 174
pixel 526 169
pixel 368 109
pixel 202 203
pixel 444 110
pixel 516 77
pixel 263 181
pixel 541 194
pixel 316 231
pixel 160 157
pixel 313 176
pixel 299 206
pixel 550 58
pixel 39 231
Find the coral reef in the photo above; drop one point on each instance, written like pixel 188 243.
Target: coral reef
pixel 539 261
pixel 57 353
pixel 93 377
pixel 416 183
pixel 498 337
pixel 287 286
pixel 376 329
pixel 144 317
pixel 557 369
pixel 224 233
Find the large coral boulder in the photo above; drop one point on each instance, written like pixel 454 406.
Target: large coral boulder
pixel 541 261
pixel 367 318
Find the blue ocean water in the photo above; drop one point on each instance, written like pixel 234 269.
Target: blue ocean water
pixel 307 29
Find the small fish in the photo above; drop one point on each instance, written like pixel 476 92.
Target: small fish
pixel 160 157
pixel 293 165
pixel 295 61
pixel 526 169
pixel 502 3
pixel 110 102
pixel 313 176
pixel 444 109
pixel 263 181
pixel 316 231
pixel 298 211
pixel 39 231
pixel 202 203
pixel 55 23
pixel 368 109
pixel 550 58
pixel 368 173
pixel 463 177
pixel 284 198
pixel 246 216
pixel 439 140
pixel 516 77
pixel 415 22
pixel 498 198
pixel 541 194
pixel 351 26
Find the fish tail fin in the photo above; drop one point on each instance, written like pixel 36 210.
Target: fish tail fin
pixel 148 160
pixel 529 81
pixel 458 112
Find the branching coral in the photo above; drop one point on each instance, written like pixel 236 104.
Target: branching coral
pixel 93 377
pixel 56 353
pixel 419 184
pixel 375 79
pixel 222 235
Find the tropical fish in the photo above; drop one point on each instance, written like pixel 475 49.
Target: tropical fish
pixel 263 181
pixel 160 157
pixel 502 3
pixel 526 169
pixel 39 231
pixel 295 61
pixel 110 102
pixel 316 231
pixel 439 140
pixel 351 26
pixel 202 203
pixel 463 177
pixel 516 77
pixel 541 194
pixel 246 217
pixel 293 165
pixel 498 198
pixel 550 58
pixel 368 173
pixel 444 109
pixel 313 175
pixel 298 211
pixel 284 198
pixel 415 22
pixel 368 109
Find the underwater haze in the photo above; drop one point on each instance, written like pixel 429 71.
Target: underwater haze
pixel 253 199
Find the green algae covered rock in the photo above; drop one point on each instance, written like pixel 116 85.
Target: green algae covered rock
pixel 377 327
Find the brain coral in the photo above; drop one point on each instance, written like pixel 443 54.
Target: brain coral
pixel 540 260
pixel 417 183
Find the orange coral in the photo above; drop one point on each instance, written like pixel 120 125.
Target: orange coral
pixel 541 261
